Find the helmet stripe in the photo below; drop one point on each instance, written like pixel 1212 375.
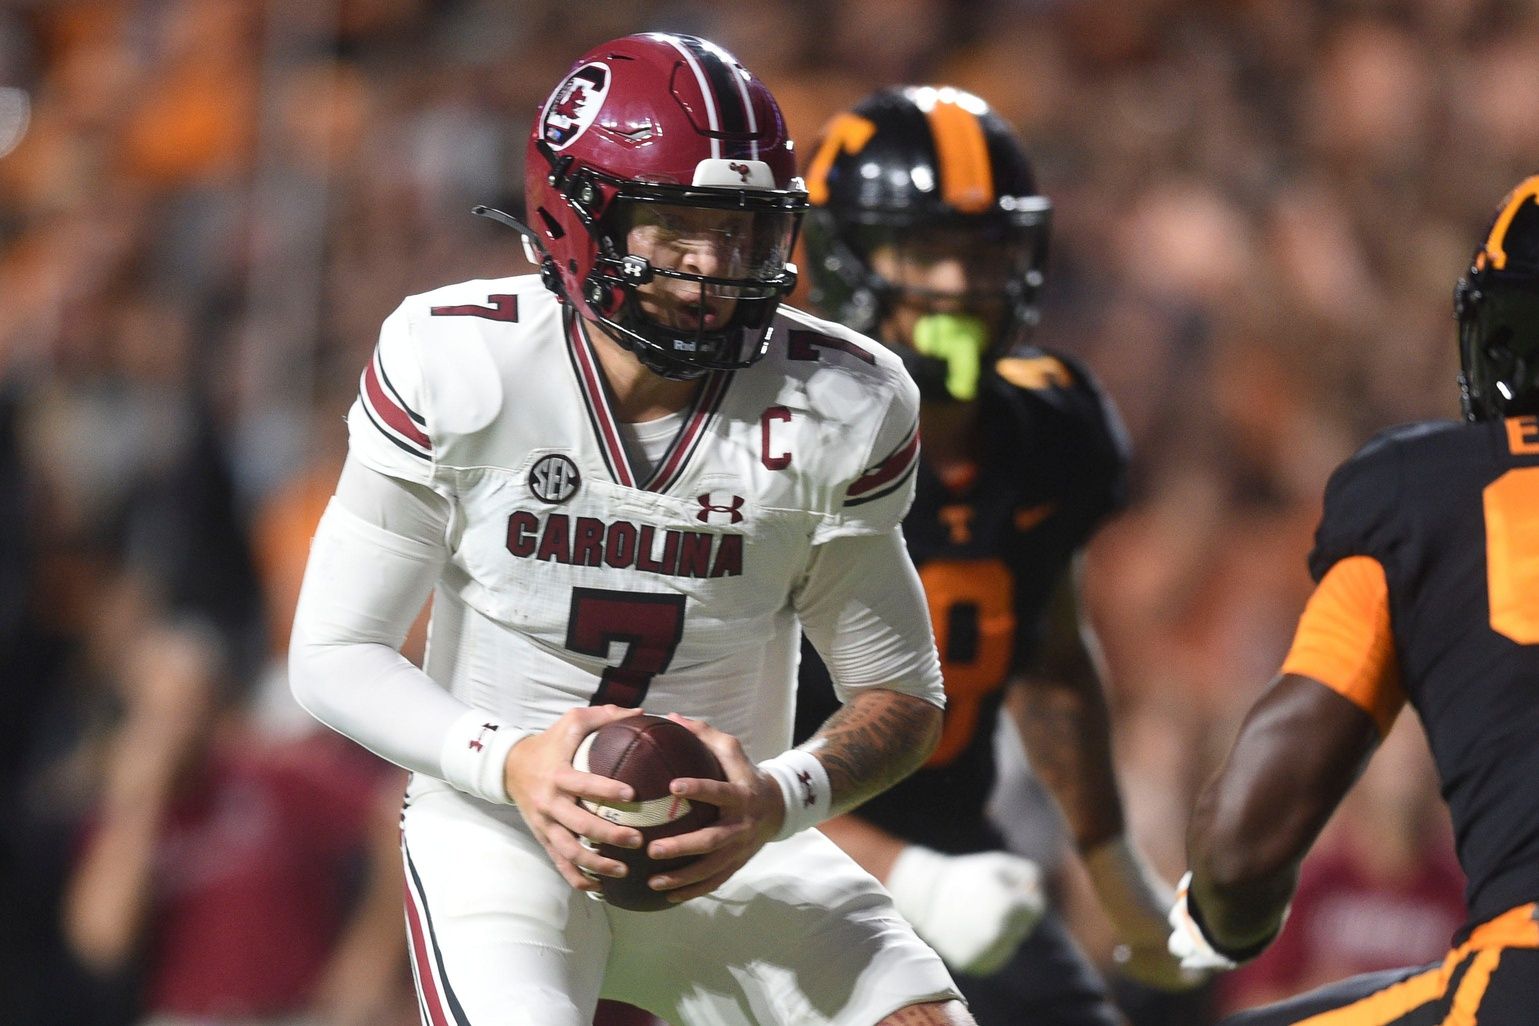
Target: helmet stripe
pixel 740 79
pixel 731 92
pixel 1496 248
pixel 845 133
pixel 711 117
pixel 962 152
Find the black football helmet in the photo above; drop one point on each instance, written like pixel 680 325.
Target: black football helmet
pixel 929 173
pixel 1497 306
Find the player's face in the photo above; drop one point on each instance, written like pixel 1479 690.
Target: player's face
pixel 739 245
pixel 945 271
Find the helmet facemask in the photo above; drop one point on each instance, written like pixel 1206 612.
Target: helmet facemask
pixel 949 292
pixel 1497 307
pixel 927 231
pixel 689 279
pixel 1498 314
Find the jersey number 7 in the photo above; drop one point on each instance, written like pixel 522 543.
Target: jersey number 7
pixel 649 624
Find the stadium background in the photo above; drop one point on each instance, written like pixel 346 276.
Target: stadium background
pixel 207 206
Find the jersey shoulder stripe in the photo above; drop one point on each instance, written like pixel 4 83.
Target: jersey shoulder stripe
pixel 397 421
pixel 888 474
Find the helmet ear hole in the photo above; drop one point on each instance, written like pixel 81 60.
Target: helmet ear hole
pixel 553 229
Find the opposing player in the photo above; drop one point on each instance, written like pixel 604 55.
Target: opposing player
pixel 1427 563
pixel 928 230
pixel 633 481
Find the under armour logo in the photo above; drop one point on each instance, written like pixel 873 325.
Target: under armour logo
pixel 709 507
pixel 809 797
pixel 476 743
pixel 743 170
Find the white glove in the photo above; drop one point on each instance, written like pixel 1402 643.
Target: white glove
pixel 1186 940
pixel 974 910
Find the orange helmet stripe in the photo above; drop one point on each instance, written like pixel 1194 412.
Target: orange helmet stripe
pixel 844 133
pixel 1495 250
pixel 962 154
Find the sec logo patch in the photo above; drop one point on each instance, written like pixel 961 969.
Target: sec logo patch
pixel 554 478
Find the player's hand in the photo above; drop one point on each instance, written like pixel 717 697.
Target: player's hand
pixel 974 910
pixel 751 812
pixel 542 782
pixel 1136 900
pixel 1187 942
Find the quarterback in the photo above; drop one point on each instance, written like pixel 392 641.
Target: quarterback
pixel 632 481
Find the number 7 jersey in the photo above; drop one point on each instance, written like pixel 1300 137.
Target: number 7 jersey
pixel 575 578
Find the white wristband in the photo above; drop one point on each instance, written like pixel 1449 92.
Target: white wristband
pixel 804 786
pixel 475 752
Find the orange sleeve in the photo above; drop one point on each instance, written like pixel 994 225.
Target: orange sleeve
pixel 1344 640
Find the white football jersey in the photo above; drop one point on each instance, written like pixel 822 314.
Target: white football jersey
pixel 573 579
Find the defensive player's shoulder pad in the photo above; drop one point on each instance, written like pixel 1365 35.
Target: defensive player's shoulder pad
pixel 1062 409
pixel 1364 510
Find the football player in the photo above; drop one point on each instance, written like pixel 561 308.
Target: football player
pixel 1427 568
pixel 630 481
pixel 927 230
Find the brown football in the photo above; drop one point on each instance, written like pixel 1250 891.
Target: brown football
pixel 647 752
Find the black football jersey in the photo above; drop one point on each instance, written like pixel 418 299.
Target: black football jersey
pixel 1451 511
pixel 1052 465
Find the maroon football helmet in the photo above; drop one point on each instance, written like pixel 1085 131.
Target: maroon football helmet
pixel 654 136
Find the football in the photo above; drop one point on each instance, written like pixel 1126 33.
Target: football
pixel 647 752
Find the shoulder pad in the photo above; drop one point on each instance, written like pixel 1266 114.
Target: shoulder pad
pixel 1362 513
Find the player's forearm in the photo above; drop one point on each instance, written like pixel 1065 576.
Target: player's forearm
pixel 363 587
pixel 1298 751
pixel 873 741
pixel 1066 730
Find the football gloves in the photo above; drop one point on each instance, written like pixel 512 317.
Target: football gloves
pixel 1187 941
pixel 974 910
pixel 1190 943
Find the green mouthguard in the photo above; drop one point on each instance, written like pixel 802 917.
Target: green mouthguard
pixel 959 340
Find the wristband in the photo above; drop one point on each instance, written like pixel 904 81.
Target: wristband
pixel 804 786
pixel 475 754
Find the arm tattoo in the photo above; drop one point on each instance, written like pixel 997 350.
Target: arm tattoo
pixel 873 741
pixel 1067 737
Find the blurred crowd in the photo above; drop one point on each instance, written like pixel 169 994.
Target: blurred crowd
pixel 208 206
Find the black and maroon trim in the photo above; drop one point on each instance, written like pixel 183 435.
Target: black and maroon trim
pixel 606 428
pixel 439 1005
pixel 730 116
pixel 382 403
pixel 887 476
